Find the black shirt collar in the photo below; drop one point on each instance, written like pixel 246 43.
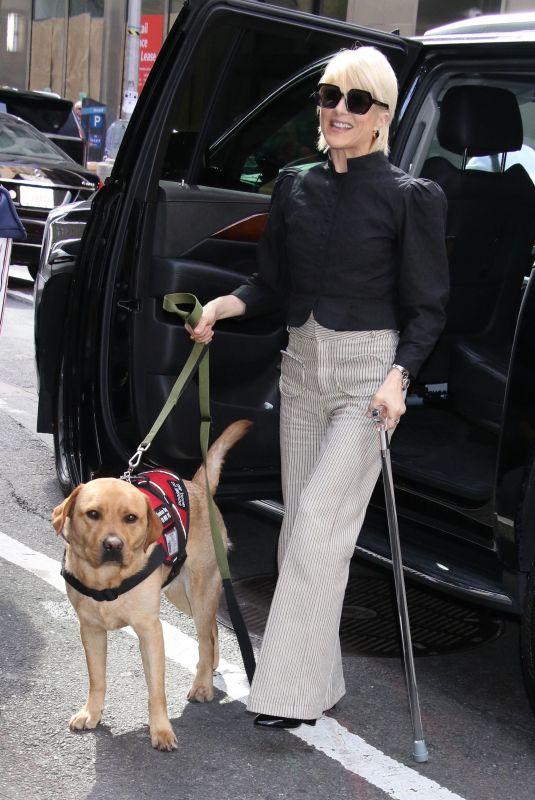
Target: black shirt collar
pixel 372 161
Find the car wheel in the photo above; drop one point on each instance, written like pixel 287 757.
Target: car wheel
pixel 60 454
pixel 527 639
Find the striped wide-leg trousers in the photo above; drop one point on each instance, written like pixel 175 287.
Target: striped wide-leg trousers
pixel 330 462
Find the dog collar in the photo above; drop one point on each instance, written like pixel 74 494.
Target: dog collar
pixel 156 558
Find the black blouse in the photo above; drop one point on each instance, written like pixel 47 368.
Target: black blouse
pixel 361 250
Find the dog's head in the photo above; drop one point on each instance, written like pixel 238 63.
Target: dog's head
pixel 107 520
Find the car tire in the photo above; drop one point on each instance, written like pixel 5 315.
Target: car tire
pixel 527 639
pixel 60 455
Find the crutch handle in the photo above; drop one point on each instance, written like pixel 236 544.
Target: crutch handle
pixel 378 416
pixel 381 426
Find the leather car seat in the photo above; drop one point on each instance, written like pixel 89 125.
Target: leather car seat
pixel 490 234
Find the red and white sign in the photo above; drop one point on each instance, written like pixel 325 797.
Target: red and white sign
pixel 150 41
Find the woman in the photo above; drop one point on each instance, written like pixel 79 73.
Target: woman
pixel 355 251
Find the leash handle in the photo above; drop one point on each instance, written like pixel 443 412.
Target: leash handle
pixel 171 303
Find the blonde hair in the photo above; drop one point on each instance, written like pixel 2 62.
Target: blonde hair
pixel 364 68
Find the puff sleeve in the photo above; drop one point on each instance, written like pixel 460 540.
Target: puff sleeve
pixel 423 278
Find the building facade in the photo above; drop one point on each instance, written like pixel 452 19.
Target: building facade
pixel 76 48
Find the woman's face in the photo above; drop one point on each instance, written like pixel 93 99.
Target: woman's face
pixel 352 133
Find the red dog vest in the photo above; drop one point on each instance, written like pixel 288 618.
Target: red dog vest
pixel 169 500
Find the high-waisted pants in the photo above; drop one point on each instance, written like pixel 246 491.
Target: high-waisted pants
pixel 330 462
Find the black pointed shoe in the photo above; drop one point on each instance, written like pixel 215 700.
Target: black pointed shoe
pixel 268 721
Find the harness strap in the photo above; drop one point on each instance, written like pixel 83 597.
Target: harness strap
pixel 156 558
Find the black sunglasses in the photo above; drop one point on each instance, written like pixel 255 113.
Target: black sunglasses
pixel 358 101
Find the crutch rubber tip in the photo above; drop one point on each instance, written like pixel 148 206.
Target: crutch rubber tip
pixel 420 751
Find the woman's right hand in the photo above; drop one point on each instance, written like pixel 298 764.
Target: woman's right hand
pixel 221 308
pixel 203 332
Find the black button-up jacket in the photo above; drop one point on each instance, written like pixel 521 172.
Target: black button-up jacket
pixel 361 250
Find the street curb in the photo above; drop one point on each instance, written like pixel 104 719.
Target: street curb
pixel 20 296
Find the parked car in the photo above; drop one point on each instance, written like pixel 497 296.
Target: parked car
pixel 52 115
pixel 488 23
pixel 224 110
pixel 38 176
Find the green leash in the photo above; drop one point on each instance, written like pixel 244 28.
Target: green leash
pixel 199 360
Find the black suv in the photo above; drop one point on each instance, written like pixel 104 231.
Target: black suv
pixel 50 114
pixel 225 109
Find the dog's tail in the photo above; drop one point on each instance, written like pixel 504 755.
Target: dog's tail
pixel 218 451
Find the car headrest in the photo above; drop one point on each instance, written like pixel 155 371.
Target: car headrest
pixel 483 120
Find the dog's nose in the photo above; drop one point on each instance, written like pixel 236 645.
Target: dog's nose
pixel 112 544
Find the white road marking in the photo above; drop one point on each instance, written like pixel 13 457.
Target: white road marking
pixel 22 297
pixel 329 737
pixel 20 272
pixel 8 391
pixel 10 409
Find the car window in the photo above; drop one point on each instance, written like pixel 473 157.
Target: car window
pixel 525 156
pixel 261 120
pixel 19 140
pixel 293 143
pixel 261 60
pixel 281 132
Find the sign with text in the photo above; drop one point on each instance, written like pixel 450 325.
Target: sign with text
pixel 94 126
pixel 150 41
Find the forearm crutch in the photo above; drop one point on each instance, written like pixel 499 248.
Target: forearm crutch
pixel 420 750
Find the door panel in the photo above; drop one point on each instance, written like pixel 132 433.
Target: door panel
pixel 184 218
pixel 245 353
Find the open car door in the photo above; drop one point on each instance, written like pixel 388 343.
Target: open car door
pixel 226 107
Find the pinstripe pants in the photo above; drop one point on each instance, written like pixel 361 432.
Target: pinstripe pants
pixel 330 462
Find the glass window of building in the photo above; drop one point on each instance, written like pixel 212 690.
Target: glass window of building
pixel 48 40
pixel 15 31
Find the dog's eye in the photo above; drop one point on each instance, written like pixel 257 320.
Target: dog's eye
pixel 92 514
pixel 130 518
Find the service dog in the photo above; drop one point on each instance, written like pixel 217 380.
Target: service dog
pixel 110 531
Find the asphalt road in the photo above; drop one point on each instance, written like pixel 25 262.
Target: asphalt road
pixel 479 729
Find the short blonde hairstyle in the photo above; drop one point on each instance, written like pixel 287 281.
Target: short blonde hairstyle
pixel 364 68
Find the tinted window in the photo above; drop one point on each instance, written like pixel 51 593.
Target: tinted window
pixel 244 141
pixel 523 91
pixel 281 132
pixel 18 140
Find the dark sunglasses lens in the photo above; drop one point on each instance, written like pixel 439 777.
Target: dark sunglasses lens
pixel 359 101
pixel 328 96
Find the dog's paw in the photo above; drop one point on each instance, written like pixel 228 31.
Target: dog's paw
pixel 199 693
pixel 163 738
pixel 84 720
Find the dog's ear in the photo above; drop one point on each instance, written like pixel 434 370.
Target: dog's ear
pixel 154 525
pixel 61 512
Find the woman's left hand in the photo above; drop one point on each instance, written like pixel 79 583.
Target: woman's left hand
pixel 389 397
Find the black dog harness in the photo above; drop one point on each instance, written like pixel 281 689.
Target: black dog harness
pixel 169 500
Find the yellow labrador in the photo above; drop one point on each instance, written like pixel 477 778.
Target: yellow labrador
pixel 110 531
